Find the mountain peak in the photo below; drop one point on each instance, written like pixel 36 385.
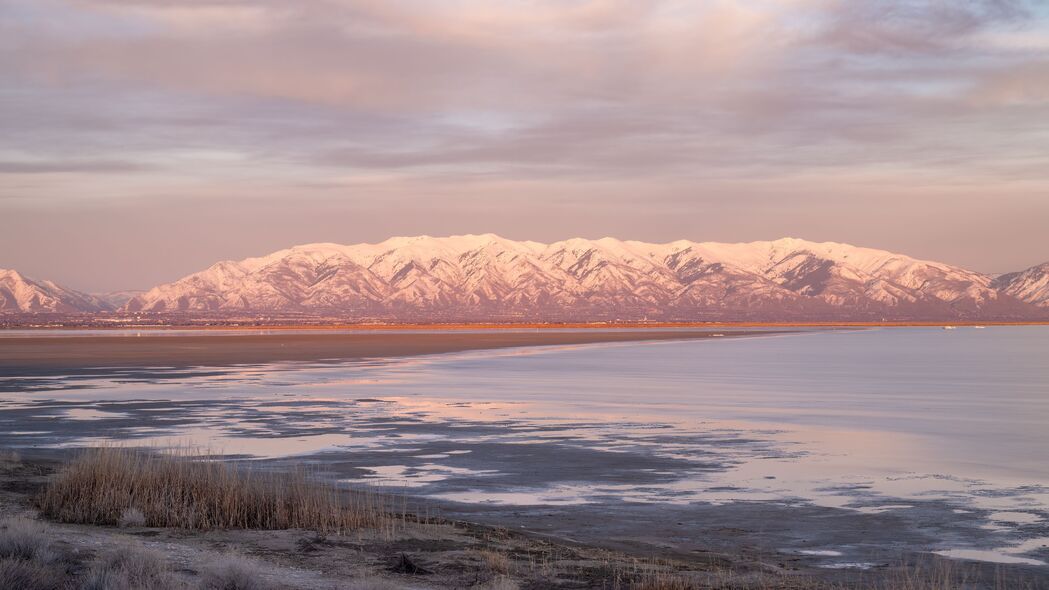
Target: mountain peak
pixel 21 294
pixel 1031 285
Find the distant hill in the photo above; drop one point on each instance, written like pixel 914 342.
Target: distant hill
pixel 117 299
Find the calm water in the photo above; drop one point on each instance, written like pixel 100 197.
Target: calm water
pixel 874 421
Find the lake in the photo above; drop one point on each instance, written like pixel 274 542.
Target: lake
pixel 848 448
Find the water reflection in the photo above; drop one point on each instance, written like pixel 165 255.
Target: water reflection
pixel 876 422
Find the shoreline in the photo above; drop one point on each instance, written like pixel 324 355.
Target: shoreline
pixel 31 355
pixel 494 326
pixel 460 549
pixel 581 541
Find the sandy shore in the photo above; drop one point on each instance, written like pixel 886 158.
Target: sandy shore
pixel 58 354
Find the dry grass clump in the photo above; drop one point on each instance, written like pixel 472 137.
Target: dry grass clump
pixel 946 574
pixel 25 540
pixel 663 582
pixel 131 568
pixel 233 573
pixel 184 490
pixel 668 575
pixel 500 583
pixel 132 517
pixel 30 575
pixel 27 560
pixel 494 561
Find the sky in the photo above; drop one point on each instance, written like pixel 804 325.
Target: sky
pixel 141 140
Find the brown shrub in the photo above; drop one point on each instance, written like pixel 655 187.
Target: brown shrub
pixel 495 562
pixel 184 490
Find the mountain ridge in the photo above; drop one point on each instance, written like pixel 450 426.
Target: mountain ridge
pixel 489 278
pixel 1030 285
pixel 21 294
pixel 481 277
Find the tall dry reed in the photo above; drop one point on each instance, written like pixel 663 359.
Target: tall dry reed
pixel 184 490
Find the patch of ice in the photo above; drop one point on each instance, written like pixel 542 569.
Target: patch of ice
pixel 1015 517
pixel 89 414
pixel 848 565
pixel 992 556
pixel 882 508
pixel 554 496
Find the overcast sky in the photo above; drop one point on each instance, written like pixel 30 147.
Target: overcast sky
pixel 141 140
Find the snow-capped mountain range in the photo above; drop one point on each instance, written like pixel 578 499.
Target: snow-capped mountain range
pixel 1031 285
pixel 486 277
pixel 20 294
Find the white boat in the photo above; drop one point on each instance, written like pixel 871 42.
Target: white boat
pixel 950 327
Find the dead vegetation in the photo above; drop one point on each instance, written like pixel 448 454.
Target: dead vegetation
pixel 31 559
pixel 495 561
pixel 132 517
pixel 348 538
pixel 28 575
pixel 232 573
pixel 129 568
pixel 27 559
pixel 25 540
pixel 111 486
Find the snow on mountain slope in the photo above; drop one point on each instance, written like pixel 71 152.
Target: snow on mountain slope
pixel 489 277
pixel 116 299
pixel 21 294
pixel 1030 286
pixel 841 274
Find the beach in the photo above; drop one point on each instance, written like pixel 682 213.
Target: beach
pixel 57 352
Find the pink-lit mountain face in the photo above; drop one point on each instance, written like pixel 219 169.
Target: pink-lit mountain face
pixel 489 278
pixel 20 294
pixel 1031 285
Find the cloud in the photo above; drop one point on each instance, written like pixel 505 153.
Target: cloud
pixel 62 166
pixel 159 98
pixel 917 26
pixel 1020 85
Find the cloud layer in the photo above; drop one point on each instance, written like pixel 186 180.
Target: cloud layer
pixel 524 106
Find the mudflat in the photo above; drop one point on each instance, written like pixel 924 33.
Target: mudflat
pixel 48 354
